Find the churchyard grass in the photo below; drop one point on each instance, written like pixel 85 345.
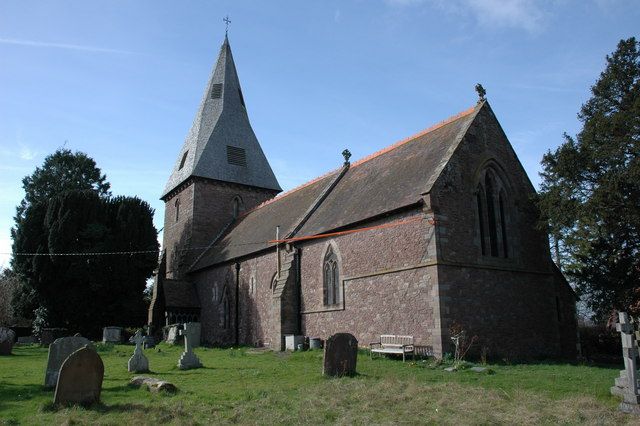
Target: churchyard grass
pixel 239 386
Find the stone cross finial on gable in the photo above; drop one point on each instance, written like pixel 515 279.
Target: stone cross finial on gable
pixel 481 93
pixel 346 154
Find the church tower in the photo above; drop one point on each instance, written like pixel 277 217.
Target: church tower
pixel 220 170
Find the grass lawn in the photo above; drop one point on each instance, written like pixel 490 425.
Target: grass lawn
pixel 238 386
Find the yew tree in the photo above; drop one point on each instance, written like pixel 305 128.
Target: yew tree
pixel 590 191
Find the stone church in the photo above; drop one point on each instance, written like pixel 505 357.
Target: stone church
pixel 436 230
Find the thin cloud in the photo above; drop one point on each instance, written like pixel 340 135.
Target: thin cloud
pixel 528 15
pixel 77 47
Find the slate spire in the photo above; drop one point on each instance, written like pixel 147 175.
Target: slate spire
pixel 221 144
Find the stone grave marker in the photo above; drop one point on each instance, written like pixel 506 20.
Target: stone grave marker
pixel 628 380
pixel 148 342
pixel 80 378
pixel 59 350
pixel 196 330
pixel 112 335
pixel 188 359
pixel 49 335
pixel 7 338
pixel 340 355
pixel 138 363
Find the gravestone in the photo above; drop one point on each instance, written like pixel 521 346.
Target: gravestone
pixel 112 335
pixel 7 338
pixel 340 355
pixel 196 330
pixel 80 378
pixel 189 360
pixel 138 363
pixel 173 334
pixel 60 350
pixel 148 342
pixel 49 335
pixel 629 381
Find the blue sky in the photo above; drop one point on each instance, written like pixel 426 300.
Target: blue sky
pixel 121 80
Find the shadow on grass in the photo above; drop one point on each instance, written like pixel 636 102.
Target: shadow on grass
pixel 10 392
pixel 114 408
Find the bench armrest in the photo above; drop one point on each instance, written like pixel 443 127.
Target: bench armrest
pixel 375 344
pixel 410 347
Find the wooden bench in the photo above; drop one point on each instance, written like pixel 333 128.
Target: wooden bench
pixel 393 344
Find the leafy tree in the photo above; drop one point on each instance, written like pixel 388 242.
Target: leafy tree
pixel 62 171
pixel 590 192
pixel 9 282
pixel 88 291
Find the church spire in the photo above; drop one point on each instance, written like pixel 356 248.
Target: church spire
pixel 221 144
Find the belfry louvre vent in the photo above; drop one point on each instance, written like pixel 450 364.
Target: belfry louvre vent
pixel 216 91
pixel 236 156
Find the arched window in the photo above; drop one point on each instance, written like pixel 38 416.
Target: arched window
pixel 225 309
pixel 331 278
pixel 491 213
pixel 492 208
pixel 177 205
pixel 503 224
pixel 480 210
pixel 252 285
pixel 237 206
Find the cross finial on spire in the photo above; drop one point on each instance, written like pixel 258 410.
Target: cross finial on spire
pixel 227 21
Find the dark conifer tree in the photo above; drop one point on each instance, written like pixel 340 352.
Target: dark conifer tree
pixel 591 190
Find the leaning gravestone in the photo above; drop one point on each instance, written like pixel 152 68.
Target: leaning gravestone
pixel 7 338
pixel 60 350
pixel 80 379
pixel 112 335
pixel 138 363
pixel 189 360
pixel 340 355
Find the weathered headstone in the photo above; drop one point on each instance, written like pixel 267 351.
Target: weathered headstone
pixel 7 338
pixel 148 342
pixel 630 393
pixel 188 360
pixel 59 351
pixel 173 334
pixel 340 355
pixel 49 335
pixel 196 330
pixel 112 335
pixel 80 379
pixel 138 363
pixel 153 384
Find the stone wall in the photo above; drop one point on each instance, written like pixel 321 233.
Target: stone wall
pixel 387 285
pixel 206 207
pixel 510 302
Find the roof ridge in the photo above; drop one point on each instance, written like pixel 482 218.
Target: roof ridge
pixel 415 136
pixel 368 157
